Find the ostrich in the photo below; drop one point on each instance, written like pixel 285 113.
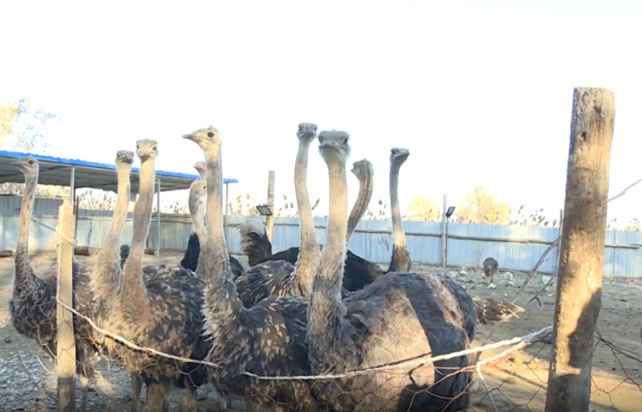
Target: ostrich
pixel 398 316
pixel 108 261
pixel 279 277
pixel 266 339
pixel 161 310
pixel 360 272
pixel 33 299
pixel 400 261
pixel 191 258
pixel 490 270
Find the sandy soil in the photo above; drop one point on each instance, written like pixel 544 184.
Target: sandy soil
pixel 516 382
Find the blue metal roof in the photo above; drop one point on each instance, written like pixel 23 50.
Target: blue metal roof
pixel 57 171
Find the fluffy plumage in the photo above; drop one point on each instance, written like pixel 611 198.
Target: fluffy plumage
pixel 255 243
pixel 190 259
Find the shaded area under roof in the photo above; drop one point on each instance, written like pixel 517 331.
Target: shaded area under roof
pixel 57 171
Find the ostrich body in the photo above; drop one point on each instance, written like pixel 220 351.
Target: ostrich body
pixel 490 269
pixel 398 316
pixel 400 261
pixel 266 339
pixel 161 310
pixel 278 277
pixel 360 272
pixel 33 300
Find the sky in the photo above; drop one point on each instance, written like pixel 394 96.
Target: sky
pixel 480 92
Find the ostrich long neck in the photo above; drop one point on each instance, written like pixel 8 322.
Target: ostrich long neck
pixel 326 307
pixel 107 275
pixel 221 296
pixel 309 253
pixel 23 267
pixel 399 241
pixel 133 294
pixel 197 220
pixel 360 206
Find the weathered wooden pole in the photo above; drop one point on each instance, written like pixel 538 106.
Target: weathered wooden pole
pixel 444 234
pixel 581 261
pixel 269 220
pixel 66 349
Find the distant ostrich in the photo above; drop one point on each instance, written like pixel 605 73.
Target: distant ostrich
pixel 266 339
pixel 490 270
pixel 359 272
pixel 398 316
pixel 400 261
pixel 160 310
pixel 197 196
pixel 33 300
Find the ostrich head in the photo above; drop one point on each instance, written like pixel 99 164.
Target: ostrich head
pixel 362 169
pixel 205 138
pixel 307 132
pixel 28 166
pixel 146 149
pixel 399 153
pixel 200 168
pixel 333 146
pixel 124 157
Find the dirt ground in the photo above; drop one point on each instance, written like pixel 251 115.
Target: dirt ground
pixel 516 382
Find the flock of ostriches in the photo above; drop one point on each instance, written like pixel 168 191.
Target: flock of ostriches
pixel 306 311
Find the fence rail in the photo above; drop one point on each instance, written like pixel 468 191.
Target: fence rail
pixel 515 247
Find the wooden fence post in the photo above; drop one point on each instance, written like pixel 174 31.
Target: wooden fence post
pixel 581 262
pixel 66 349
pixel 269 220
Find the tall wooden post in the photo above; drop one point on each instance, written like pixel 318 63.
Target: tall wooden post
pixel 444 234
pixel 158 218
pixel 579 286
pixel 66 349
pixel 269 220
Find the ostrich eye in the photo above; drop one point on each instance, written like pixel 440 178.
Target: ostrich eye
pixel 210 134
pixel 30 162
pixel 154 148
pixel 345 140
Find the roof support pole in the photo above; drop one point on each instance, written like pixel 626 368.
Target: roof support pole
pixel 72 194
pixel 158 217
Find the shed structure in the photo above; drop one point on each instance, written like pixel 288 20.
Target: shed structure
pixel 76 173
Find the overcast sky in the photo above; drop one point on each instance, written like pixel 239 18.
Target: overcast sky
pixel 479 91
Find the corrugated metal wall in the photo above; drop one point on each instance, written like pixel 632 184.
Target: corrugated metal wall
pixel 514 247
